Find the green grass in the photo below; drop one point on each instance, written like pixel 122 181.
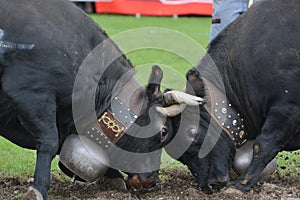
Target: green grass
pixel 15 161
pixel 194 27
pixel 174 44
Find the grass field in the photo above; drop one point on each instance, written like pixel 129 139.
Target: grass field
pixel 15 161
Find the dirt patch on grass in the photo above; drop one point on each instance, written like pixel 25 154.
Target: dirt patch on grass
pixel 175 184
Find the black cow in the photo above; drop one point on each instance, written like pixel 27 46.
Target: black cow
pixel 42 46
pixel 249 83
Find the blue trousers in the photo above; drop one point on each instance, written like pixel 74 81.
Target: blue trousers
pixel 225 12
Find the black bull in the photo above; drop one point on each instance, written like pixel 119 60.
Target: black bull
pixel 250 78
pixel 42 45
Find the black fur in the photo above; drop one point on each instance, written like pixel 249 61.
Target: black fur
pixel 255 60
pixel 37 84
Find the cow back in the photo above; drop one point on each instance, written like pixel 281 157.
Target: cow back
pixel 257 57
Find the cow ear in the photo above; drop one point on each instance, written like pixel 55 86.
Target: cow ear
pixel 154 80
pixel 195 84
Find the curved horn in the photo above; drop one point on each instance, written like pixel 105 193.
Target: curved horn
pixel 173 97
pixel 172 110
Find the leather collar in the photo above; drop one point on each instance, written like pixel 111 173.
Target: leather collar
pixel 122 113
pixel 222 111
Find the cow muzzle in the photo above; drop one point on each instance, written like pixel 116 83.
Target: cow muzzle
pixel 216 184
pixel 139 183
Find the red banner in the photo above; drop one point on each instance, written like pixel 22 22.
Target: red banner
pixel 155 7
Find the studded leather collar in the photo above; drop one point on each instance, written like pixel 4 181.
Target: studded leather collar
pixel 224 113
pixel 114 122
pixel 112 125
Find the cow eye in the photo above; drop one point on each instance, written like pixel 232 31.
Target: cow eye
pixel 163 134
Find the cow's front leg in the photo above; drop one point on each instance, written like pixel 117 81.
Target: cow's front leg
pixel 38 116
pixel 46 150
pixel 280 126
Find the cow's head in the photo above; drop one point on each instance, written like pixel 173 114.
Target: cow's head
pixel 201 143
pixel 128 128
pixel 138 151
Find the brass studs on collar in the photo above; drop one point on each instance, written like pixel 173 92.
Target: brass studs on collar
pixel 242 134
pixel 231 121
pixel 224 110
pixel 234 122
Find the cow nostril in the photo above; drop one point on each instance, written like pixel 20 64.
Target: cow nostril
pixel 135 183
pixel 151 184
pixel 155 184
pixel 216 186
pixel 138 183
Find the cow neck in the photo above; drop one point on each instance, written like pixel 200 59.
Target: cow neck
pixel 222 111
pixel 124 110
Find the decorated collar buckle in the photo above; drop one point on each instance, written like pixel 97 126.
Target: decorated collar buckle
pixel 116 127
pixel 113 124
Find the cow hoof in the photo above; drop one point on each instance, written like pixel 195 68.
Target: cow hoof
pixel 33 194
pixel 208 190
pixel 242 187
pixel 233 191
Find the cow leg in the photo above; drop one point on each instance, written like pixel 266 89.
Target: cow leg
pixel 37 114
pixel 281 124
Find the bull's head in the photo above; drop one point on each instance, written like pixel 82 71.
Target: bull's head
pixel 197 133
pixel 140 152
pixel 129 130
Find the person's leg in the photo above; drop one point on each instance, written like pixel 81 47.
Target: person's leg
pixel 225 12
pixel 89 7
